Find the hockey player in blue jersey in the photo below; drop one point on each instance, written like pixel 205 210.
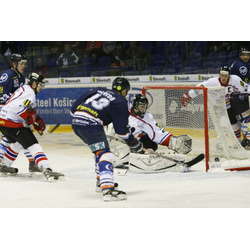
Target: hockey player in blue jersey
pixel 239 102
pixel 95 109
pixel 10 80
pixel 241 66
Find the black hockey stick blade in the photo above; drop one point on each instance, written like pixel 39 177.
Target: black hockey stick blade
pixel 53 129
pixel 194 161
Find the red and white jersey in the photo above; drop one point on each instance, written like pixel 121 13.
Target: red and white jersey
pixel 11 113
pixel 148 125
pixel 234 85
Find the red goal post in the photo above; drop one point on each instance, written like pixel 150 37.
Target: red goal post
pixel 205 119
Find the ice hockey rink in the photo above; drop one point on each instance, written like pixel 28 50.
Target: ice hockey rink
pixel 172 189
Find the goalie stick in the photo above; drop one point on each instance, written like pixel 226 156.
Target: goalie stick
pixel 190 163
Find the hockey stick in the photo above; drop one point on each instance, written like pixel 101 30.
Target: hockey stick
pixel 53 129
pixel 194 161
pixel 47 128
pixel 244 141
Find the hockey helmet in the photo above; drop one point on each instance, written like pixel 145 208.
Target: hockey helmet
pixel 120 83
pixel 225 70
pixel 140 105
pixel 18 58
pixel 244 50
pixel 39 79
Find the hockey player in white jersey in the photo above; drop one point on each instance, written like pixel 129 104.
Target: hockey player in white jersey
pixel 15 118
pixel 233 85
pixel 10 80
pixel 146 130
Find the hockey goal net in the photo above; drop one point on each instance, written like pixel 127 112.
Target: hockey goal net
pixel 205 119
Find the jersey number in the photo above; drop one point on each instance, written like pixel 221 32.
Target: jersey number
pixel 98 104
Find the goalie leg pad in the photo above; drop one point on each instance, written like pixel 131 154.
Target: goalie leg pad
pixel 148 163
pixel 121 155
pixel 181 144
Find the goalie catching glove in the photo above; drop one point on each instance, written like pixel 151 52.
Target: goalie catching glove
pixel 181 144
pixel 39 124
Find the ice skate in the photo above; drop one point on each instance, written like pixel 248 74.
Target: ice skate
pixel 113 195
pixel 4 170
pixel 98 188
pixel 33 168
pixel 51 176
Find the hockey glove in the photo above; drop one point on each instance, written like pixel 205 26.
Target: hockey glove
pixel 185 99
pixel 29 115
pixel 39 124
pixel 136 147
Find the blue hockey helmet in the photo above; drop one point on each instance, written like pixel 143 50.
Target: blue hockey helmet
pixel 244 50
pixel 18 58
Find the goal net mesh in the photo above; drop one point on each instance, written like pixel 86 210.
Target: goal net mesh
pixel 220 140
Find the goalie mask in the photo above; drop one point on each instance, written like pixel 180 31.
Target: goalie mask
pixel 139 105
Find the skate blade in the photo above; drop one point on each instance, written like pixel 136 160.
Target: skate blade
pixel 60 178
pixel 8 174
pixel 120 197
pixel 98 190
pixel 56 178
pixel 31 174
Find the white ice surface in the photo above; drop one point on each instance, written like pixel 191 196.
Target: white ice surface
pixel 67 154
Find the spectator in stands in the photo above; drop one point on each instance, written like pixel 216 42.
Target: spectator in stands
pixel 41 68
pixel 241 66
pixel 117 56
pixel 94 49
pixel 108 47
pixel 222 46
pixel 78 47
pixel 136 58
pixel 117 60
pixel 53 51
pixel 67 59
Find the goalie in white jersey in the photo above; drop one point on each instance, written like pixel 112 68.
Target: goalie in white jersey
pixel 15 118
pixel 146 130
pixel 233 87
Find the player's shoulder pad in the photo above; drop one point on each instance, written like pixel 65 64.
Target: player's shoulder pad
pixel 235 77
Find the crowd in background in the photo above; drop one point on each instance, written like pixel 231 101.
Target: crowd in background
pixel 114 58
